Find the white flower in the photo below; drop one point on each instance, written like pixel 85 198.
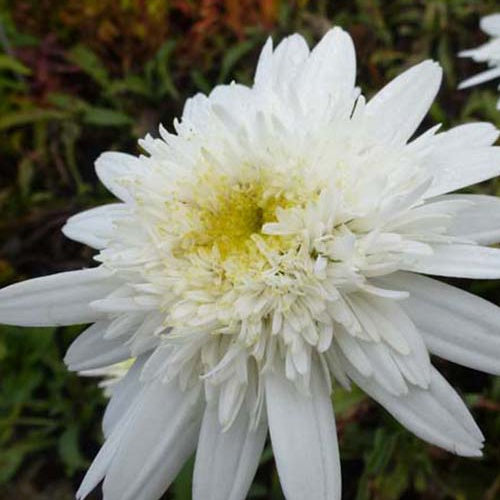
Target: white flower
pixel 266 248
pixel 486 53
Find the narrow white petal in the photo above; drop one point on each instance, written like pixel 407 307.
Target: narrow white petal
pixel 456 325
pixel 413 362
pixel 264 64
pixel 385 369
pixel 56 300
pixel 383 317
pixel 350 346
pixel 479 221
pixel 436 414
pixel 162 436
pixel 282 67
pixel 95 227
pixel 460 261
pixel 123 396
pixel 467 136
pixel 303 437
pixel 482 77
pixel 226 461
pixel 454 169
pixel 103 459
pixel 115 170
pixel 398 109
pixel 90 350
pixel 330 70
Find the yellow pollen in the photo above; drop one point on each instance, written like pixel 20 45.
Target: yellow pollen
pixel 231 223
pixel 235 214
pixel 220 220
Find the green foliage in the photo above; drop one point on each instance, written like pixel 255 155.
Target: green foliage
pixel 66 96
pixel 43 409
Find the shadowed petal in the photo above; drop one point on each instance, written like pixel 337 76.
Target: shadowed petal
pixel 456 325
pixel 162 436
pixel 304 439
pixel 57 300
pixel 90 350
pixel 94 227
pixel 226 461
pixel 399 108
pixel 458 261
pixel 480 221
pixel 436 414
pixel 115 169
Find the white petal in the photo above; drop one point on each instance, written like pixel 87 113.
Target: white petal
pixel 103 459
pixel 460 261
pixel 90 350
pixel 282 66
pixel 436 414
pixel 303 437
pixel 385 370
pixel 380 316
pixel 162 436
pixel 226 461
pixel 123 396
pixel 456 325
pixel 95 227
pixel 458 157
pixel 350 346
pixel 466 136
pixel 479 221
pixel 491 24
pixel 414 364
pixel 115 170
pixel 398 109
pixel 56 300
pixel 455 168
pixel 330 70
pixel 482 77
pixel 264 64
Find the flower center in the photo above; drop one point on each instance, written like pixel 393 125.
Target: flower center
pixel 230 224
pixel 235 215
pixel 222 220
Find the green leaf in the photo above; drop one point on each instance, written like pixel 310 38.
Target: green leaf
pixel 181 488
pixel 66 101
pixel 200 81
pixel 25 176
pixel 132 83
pixel 105 117
pixel 69 450
pixel 232 56
pixel 11 458
pixel 90 63
pixel 11 64
pixel 383 448
pixel 25 117
pixel 344 400
pixel 257 491
pixel 166 83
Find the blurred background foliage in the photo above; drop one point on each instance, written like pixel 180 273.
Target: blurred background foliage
pixel 78 78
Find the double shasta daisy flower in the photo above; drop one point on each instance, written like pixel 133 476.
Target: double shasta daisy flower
pixel 272 246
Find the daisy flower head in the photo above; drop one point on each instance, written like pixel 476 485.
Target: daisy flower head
pixel 269 247
pixel 487 53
